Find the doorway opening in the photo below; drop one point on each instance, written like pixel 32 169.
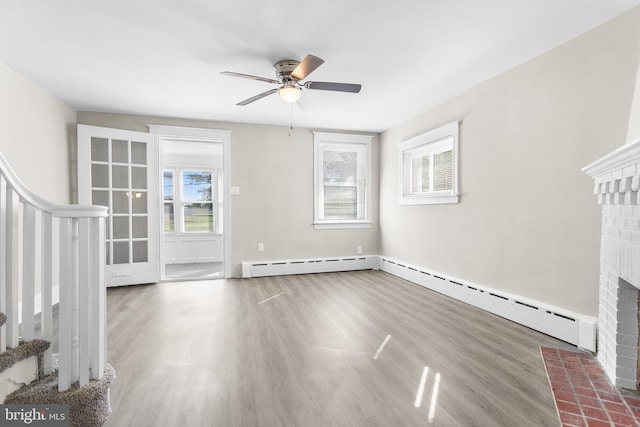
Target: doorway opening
pixel 194 240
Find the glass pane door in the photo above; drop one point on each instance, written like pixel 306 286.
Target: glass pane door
pixel 122 171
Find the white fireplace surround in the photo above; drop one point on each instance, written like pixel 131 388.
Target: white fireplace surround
pixel 617 180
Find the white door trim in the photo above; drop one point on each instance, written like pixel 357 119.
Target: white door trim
pixel 204 134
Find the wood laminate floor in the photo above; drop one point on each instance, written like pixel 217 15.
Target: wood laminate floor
pixel 308 351
pixel 194 271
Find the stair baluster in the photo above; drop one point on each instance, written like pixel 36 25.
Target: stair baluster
pixel 11 284
pixel 35 235
pixel 3 260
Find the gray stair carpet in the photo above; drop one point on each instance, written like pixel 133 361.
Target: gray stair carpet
pixel 23 351
pixel 88 406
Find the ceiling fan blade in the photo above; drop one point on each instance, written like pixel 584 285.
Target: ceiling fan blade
pixel 337 87
pixel 259 96
pixel 249 76
pixel 306 67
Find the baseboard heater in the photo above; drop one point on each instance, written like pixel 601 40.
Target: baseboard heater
pixel 574 328
pixel 305 266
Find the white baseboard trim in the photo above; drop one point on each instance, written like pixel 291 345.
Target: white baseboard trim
pixel 306 266
pixel 574 328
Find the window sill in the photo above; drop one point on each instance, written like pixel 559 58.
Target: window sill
pixel 430 200
pixel 341 225
pixel 191 234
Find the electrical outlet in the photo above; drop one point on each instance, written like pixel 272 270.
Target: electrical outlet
pixel 260 247
pixel 359 250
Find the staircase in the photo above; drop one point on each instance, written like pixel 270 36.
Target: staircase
pixel 52 261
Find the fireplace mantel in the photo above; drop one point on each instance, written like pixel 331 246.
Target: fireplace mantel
pixel 624 157
pixel 617 175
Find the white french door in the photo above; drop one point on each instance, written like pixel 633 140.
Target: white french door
pixel 119 169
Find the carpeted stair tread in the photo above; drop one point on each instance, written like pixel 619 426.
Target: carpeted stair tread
pixel 88 406
pixel 3 318
pixel 23 351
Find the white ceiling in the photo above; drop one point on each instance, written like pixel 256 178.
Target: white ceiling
pixel 164 57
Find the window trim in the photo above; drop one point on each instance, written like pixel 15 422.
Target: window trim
pixel 429 142
pixel 364 142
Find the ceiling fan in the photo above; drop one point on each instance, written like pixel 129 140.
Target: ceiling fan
pixel 290 74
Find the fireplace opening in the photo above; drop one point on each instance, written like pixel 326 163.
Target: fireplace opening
pixel 627 335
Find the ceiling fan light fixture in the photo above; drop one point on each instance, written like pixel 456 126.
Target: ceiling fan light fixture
pixel 290 93
pixel 290 73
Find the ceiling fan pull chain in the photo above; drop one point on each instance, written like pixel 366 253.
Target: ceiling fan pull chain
pixel 291 120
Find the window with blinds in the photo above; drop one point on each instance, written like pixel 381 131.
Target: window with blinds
pixel 429 167
pixel 342 177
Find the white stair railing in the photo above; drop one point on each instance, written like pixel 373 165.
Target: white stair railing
pixel 53 254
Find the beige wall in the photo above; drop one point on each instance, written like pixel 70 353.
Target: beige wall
pixel 275 205
pixel 528 222
pixel 633 132
pixel 37 130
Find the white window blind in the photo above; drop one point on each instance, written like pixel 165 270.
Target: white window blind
pixel 428 165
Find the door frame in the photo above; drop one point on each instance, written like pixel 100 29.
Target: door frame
pixel 205 135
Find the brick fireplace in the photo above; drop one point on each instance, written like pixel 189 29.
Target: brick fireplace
pixel 617 180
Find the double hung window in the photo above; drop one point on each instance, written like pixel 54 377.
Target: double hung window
pixel 189 202
pixel 342 180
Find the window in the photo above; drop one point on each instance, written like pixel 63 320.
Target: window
pixel 342 180
pixel 191 208
pixel 197 203
pixel 429 167
pixel 167 200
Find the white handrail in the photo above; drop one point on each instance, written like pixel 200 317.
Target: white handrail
pixel 31 198
pixel 28 286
